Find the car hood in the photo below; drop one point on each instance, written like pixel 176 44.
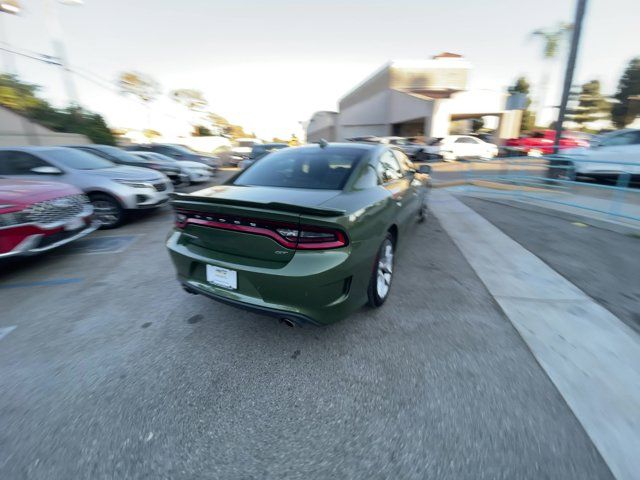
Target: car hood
pixel 578 152
pixel 294 196
pixel 126 173
pixel 26 192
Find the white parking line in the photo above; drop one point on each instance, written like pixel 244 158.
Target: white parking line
pixel 590 355
pixel 4 331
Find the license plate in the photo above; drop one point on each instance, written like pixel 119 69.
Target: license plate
pixel 74 224
pixel 222 277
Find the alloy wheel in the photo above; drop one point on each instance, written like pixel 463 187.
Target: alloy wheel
pixel 385 269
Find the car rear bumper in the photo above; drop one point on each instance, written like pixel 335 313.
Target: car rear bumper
pixel 38 239
pixel 314 287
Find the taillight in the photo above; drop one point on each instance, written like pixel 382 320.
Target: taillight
pixel 318 239
pixel 304 237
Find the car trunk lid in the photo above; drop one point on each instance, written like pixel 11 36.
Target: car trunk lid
pixel 251 225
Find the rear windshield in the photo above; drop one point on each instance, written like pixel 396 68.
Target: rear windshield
pixel 316 168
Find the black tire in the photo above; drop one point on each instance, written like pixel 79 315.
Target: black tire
pixel 107 210
pixel 422 213
pixel 376 296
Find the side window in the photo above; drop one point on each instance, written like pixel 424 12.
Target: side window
pixel 465 140
pixel 4 163
pixel 388 167
pixel 403 160
pixel 21 163
pixel 627 138
pixel 367 179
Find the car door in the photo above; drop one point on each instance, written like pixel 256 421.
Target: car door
pixel 413 197
pixel 394 181
pixel 624 147
pixel 465 147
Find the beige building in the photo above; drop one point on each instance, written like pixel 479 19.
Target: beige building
pixel 16 130
pixel 415 99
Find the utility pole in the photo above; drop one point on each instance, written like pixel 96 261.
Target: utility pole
pixel 59 50
pixel 11 8
pixel 568 76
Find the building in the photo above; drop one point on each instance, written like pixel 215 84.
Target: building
pixel 424 98
pixel 16 130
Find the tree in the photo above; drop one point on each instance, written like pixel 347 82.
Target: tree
pixel 629 86
pixel 22 98
pixel 139 85
pixel 228 129
pixel 201 131
pixel 522 86
pixel 591 105
pixel 552 39
pixel 192 100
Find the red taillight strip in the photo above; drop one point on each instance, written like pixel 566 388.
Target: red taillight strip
pixel 301 244
pixel 243 228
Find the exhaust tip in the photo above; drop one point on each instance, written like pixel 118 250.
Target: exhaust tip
pixel 288 322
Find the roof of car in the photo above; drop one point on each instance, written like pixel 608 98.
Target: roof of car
pixel 354 145
pixel 34 149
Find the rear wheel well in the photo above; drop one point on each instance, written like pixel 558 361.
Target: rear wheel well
pixel 393 230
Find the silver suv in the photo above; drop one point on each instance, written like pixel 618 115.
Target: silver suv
pixel 113 189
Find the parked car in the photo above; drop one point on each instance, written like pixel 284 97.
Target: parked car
pixel 260 150
pixel 119 156
pixel 177 152
pixel 541 143
pixel 602 160
pixel 194 172
pixel 305 234
pixel 454 147
pixel 411 149
pixel 242 149
pixel 39 216
pixel 112 189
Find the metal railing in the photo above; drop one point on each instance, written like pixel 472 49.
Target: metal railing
pixel 559 180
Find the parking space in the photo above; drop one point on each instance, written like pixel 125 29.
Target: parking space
pixel 109 370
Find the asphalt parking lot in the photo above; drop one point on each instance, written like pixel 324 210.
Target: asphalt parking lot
pixel 109 370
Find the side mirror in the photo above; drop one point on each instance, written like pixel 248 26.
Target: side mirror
pixel 46 170
pixel 425 169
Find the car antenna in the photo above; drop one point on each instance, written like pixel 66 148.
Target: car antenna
pixel 323 143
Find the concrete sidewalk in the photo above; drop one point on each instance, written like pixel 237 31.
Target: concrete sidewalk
pixel 590 355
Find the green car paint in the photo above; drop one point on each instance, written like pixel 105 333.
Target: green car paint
pixel 320 286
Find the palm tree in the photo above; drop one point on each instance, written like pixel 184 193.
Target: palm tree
pixel 193 101
pixel 552 41
pixel 141 86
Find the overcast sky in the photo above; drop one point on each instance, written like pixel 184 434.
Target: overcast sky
pixel 270 64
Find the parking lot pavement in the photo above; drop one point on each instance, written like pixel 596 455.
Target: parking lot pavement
pixel 601 262
pixel 112 371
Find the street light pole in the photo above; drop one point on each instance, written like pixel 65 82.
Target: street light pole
pixel 568 76
pixel 59 49
pixel 11 8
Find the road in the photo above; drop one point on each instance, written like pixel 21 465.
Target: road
pixel 113 372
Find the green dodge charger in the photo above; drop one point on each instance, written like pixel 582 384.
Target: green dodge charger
pixel 306 234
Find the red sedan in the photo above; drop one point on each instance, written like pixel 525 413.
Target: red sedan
pixel 38 216
pixel 541 142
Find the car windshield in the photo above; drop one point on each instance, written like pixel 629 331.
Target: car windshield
pixel 315 168
pixel 77 159
pixel 118 154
